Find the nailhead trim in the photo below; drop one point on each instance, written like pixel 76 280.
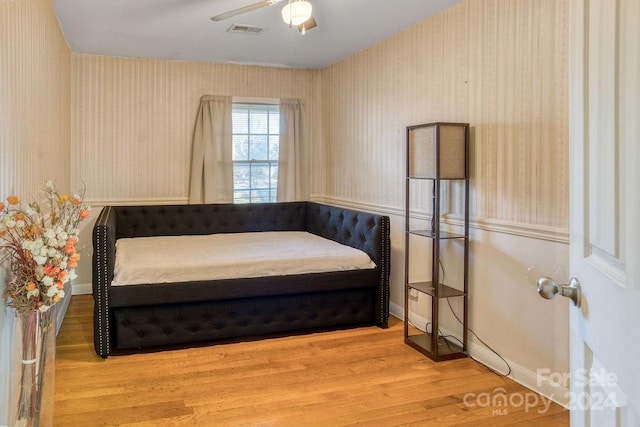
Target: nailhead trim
pixel 384 271
pixel 102 285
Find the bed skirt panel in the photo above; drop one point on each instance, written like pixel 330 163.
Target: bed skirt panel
pixel 161 325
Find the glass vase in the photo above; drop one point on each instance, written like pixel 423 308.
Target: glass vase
pixel 34 341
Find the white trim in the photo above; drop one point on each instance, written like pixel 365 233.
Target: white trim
pixel 521 375
pixel 81 289
pixel 396 310
pixel 138 202
pixel 534 231
pixel 251 100
pixel 369 207
pixel 62 306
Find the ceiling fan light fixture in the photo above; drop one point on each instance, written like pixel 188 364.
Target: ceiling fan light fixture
pixel 296 12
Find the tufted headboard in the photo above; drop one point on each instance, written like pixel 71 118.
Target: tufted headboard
pixel 176 220
pixel 360 230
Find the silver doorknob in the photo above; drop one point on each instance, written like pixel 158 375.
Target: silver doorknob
pixel 548 289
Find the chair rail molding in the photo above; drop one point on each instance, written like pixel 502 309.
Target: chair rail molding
pixel 534 231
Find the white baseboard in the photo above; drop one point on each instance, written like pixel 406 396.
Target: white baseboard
pixel 525 377
pixel 396 310
pixel 81 288
pixel 61 308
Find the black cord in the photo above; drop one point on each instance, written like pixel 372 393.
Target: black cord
pixel 483 343
pixel 475 335
pixel 433 207
pixel 441 335
pixel 426 329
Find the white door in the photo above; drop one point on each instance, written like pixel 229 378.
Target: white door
pixel 604 106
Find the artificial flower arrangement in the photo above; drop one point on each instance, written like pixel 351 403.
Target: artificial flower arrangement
pixel 40 239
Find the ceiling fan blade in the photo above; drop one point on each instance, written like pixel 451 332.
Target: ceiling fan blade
pixel 307 25
pixel 240 10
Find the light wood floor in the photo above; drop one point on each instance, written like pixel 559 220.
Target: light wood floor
pixel 365 376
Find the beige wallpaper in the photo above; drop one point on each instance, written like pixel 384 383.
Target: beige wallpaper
pixel 35 119
pixel 35 127
pixel 133 119
pixel 500 66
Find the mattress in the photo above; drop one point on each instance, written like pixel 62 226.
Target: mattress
pixel 169 259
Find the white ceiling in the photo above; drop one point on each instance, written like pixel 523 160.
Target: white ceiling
pixel 182 30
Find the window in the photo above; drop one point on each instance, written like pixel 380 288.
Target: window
pixel 256 134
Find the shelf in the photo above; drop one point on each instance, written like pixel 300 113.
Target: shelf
pixel 447 350
pixel 440 179
pixel 443 234
pixel 444 291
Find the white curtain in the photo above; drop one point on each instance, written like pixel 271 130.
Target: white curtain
pixel 292 160
pixel 211 154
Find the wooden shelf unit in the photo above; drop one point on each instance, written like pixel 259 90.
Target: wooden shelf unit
pixel 437 152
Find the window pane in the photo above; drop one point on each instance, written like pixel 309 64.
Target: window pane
pixel 261 196
pixel 241 176
pixel 240 147
pixel 240 120
pixel 259 175
pixel 242 196
pixel 274 122
pixel 258 121
pixel 258 147
pixel 274 146
pixel 274 175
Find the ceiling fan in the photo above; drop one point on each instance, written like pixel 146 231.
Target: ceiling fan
pixel 296 13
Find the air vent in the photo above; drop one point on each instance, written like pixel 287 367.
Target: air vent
pixel 245 29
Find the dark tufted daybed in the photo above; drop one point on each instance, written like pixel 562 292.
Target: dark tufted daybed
pixel 149 315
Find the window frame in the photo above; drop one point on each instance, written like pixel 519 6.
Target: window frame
pixel 256 194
